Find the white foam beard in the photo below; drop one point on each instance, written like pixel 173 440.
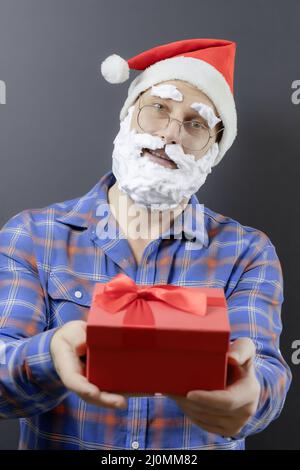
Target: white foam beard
pixel 150 184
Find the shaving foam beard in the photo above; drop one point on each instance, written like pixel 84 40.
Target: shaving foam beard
pixel 150 184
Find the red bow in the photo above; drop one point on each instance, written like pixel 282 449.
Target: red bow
pixel 122 292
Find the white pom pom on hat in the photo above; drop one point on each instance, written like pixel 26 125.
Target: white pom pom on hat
pixel 208 64
pixel 115 69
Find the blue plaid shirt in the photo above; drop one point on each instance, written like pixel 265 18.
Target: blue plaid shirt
pixel 48 254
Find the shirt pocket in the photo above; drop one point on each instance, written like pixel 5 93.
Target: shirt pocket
pixel 69 296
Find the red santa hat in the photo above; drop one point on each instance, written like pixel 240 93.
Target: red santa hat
pixel 208 64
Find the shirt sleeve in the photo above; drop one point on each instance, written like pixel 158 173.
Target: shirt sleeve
pixel 254 308
pixel 29 383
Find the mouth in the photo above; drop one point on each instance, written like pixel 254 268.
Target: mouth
pixel 159 156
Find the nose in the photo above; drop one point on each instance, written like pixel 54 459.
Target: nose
pixel 171 134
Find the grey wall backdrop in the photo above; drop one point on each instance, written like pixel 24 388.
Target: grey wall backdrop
pixel 60 118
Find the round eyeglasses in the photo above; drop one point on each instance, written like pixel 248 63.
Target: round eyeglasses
pixel 194 135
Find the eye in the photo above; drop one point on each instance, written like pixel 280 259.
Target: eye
pixel 158 105
pixel 196 124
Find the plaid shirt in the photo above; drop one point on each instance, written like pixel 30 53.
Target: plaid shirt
pixel 48 254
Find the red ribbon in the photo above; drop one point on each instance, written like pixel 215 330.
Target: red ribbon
pixel 122 292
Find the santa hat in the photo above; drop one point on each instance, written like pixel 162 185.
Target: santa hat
pixel 207 64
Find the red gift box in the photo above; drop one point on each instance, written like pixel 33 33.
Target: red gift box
pixel 157 339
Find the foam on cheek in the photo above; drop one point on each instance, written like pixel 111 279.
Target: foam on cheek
pixel 207 113
pixel 166 91
pixel 206 161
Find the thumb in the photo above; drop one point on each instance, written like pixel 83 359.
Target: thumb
pixel 241 351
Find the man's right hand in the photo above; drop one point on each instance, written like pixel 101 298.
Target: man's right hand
pixel 66 347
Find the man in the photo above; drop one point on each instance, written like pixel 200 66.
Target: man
pixel 178 121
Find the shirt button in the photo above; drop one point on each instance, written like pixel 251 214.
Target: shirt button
pixel 135 445
pixel 78 294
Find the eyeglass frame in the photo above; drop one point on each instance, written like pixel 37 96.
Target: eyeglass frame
pixel 180 122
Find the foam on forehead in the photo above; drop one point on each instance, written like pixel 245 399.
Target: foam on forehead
pixel 166 91
pixel 207 113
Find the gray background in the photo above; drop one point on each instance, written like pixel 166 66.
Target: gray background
pixel 58 125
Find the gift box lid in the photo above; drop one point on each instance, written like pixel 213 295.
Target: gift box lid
pixel 172 328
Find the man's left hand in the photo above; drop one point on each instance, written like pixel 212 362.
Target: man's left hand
pixel 225 412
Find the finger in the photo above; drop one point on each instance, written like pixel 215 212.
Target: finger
pixel 230 399
pixel 213 421
pixel 222 425
pixel 106 399
pixel 184 401
pixel 70 369
pixel 208 428
pixel 91 393
pixel 241 351
pixel 213 401
pixel 194 407
pixel 234 397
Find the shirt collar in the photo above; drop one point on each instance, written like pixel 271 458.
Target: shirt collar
pixel 82 212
